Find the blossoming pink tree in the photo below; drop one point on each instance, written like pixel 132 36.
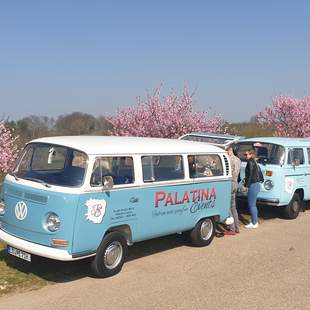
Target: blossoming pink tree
pixel 8 148
pixel 289 116
pixel 168 117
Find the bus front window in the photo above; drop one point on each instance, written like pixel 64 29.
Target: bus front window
pixel 52 164
pixel 266 153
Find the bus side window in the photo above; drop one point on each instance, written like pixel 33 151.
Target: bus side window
pixel 119 168
pixel 162 168
pixel 204 166
pixel 296 157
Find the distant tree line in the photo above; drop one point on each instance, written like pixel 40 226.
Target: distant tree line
pixel 155 116
pixel 77 123
pixel 250 129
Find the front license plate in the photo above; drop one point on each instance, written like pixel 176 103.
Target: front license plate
pixel 19 253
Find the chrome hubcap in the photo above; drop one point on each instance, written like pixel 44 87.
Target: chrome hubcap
pixel 206 229
pixel 113 255
pixel 295 206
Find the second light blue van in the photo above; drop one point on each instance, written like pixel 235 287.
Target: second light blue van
pixel 285 163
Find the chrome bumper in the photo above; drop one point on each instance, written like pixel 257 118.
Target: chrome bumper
pixel 36 249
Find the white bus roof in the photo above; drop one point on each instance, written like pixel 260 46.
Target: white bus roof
pixel 115 145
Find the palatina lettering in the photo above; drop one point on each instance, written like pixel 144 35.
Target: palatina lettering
pixel 177 198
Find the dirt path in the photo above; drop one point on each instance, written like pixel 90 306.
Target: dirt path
pixel 267 268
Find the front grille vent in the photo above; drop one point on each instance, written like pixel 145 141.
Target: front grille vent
pixel 14 192
pixel 36 198
pixel 26 195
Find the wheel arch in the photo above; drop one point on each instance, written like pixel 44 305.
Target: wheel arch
pixel 216 218
pixel 300 192
pixel 124 229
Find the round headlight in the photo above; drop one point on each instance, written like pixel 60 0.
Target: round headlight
pixel 268 184
pixel 2 207
pixel 53 222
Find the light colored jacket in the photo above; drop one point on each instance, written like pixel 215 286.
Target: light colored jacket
pixel 235 163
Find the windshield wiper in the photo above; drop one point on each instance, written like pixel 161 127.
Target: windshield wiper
pixel 14 175
pixel 39 181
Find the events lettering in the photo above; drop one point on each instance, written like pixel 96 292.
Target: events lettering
pixel 191 201
pixel 176 198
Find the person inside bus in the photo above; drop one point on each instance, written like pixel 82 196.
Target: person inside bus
pixel 198 167
pixel 192 166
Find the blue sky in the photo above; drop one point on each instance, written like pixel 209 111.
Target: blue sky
pixel 60 56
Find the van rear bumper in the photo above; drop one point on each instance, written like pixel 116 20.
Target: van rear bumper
pixel 37 249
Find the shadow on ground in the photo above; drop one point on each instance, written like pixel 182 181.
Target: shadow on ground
pixel 50 270
pixel 59 272
pixel 264 212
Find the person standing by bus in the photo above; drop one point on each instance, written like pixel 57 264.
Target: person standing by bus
pixel 253 178
pixel 235 170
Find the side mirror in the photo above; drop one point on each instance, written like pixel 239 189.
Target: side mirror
pixel 107 182
pixel 296 162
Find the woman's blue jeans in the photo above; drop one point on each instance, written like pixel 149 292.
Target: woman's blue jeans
pixel 252 198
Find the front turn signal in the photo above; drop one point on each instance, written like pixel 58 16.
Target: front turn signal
pixel 60 242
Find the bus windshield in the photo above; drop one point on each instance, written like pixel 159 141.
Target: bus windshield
pixel 51 164
pixel 266 153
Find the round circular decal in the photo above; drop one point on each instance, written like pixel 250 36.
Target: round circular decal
pixel 21 210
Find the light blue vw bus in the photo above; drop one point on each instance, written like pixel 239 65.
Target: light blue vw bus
pixel 285 163
pixel 70 198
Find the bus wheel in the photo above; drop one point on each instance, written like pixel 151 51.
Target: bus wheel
pixel 110 255
pixel 291 211
pixel 203 233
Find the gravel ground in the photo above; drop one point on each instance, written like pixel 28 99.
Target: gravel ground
pixel 267 268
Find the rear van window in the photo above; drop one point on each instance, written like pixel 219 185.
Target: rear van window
pixel 205 166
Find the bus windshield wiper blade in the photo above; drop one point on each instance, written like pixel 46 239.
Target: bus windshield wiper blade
pixel 14 175
pixel 39 181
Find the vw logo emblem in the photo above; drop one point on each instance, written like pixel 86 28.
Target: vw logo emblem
pixel 21 210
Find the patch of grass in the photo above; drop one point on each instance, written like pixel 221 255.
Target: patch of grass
pixel 14 279
pixel 18 275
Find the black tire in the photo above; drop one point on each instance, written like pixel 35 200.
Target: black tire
pixel 292 210
pixel 203 232
pixel 110 255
